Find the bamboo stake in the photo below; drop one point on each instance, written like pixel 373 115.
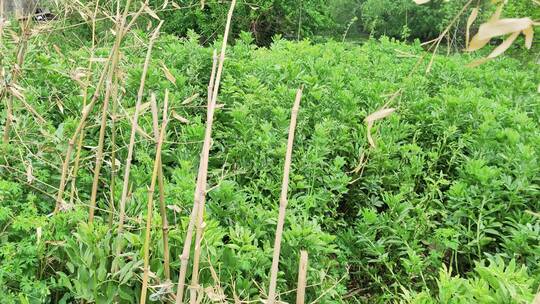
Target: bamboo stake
pixel 85 113
pixel 184 258
pixel 302 274
pixel 202 195
pixel 200 190
pixel 85 100
pixel 132 142
pixel 161 188
pixel 150 206
pixel 99 152
pixel 283 201
pixel 104 114
pixel 16 71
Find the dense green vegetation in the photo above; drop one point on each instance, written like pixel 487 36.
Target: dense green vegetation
pixel 444 209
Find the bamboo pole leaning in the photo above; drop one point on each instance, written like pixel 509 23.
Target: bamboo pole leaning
pixel 200 190
pixel 113 71
pixel 84 93
pixel 161 189
pixel 131 145
pixel 283 201
pixel 150 205
pixel 184 258
pixel 88 109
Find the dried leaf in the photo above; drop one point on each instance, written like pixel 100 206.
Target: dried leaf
pixel 165 3
pixel 370 120
pixel 478 62
pixel 215 293
pixel 17 91
pixel 29 176
pixel 150 12
pixel 174 208
pixel 497 15
pixel 168 74
pixel 470 21
pixel 504 46
pixel 180 118
pixel 503 27
pixel 529 33
pixel 421 1
pixel 175 5
pixel 190 99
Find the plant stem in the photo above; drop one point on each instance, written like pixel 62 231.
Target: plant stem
pixel 150 205
pixel 283 201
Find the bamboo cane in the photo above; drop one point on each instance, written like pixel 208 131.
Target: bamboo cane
pixel 150 205
pixel 132 143
pixel 184 258
pixel 302 274
pixel 283 201
pixel 202 199
pixel 200 190
pixel 161 189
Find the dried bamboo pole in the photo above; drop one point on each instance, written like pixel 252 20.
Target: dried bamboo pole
pixel 161 189
pixel 82 122
pixel 202 194
pixel 88 109
pixel 132 142
pixel 104 113
pixel 200 190
pixel 150 205
pixel 302 274
pixel 16 71
pixel 85 100
pixel 283 201
pixel 99 152
pixel 184 258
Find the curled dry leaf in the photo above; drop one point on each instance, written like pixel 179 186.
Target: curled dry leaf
pixel 372 118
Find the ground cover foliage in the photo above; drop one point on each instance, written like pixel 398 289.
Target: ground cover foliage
pixel 442 209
